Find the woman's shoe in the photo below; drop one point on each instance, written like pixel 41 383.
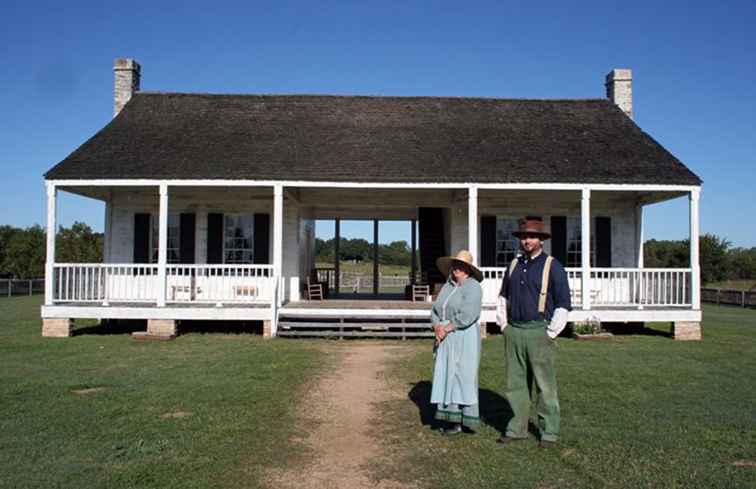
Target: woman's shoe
pixel 453 430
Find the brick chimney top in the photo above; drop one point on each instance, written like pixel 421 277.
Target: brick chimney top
pixel 619 89
pixel 127 78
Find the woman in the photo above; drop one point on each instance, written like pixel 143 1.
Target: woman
pixel 454 316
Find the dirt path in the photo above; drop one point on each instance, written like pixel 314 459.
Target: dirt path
pixel 341 407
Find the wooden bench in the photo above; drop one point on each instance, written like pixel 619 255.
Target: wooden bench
pixel 245 291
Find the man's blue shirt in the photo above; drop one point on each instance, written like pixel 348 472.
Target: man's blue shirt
pixel 523 288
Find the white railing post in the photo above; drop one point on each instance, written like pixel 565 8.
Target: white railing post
pixel 278 233
pixel 472 224
pixel 585 248
pixel 52 197
pixel 695 265
pixel 162 245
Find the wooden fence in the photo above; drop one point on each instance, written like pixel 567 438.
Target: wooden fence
pixel 10 287
pixel 743 298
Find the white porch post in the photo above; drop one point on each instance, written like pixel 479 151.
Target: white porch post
pixel 585 247
pixel 162 244
pixel 277 240
pixel 695 265
pixel 639 233
pixel 472 224
pixel 52 197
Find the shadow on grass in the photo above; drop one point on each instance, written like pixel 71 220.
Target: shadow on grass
pixel 633 329
pixel 494 409
pixel 128 326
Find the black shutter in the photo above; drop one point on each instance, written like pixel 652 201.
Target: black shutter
pixel 603 242
pixel 215 238
pixel 141 238
pixel 186 239
pixel 488 241
pixel 262 239
pixel 559 238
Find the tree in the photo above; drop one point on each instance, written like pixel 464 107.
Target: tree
pixel 78 244
pixel 714 262
pixel 25 253
pixel 6 233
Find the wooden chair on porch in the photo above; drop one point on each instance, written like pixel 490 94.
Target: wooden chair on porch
pixel 419 286
pixel 316 290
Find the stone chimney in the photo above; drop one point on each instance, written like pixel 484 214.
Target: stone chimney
pixel 619 89
pixel 127 74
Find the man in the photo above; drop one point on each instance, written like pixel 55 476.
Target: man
pixel 533 305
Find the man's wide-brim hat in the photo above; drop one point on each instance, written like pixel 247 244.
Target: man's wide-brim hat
pixel 445 263
pixel 532 227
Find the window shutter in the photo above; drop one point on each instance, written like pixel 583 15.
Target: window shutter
pixel 262 239
pixel 488 241
pixel 186 238
pixel 214 238
pixel 559 238
pixel 141 238
pixel 603 242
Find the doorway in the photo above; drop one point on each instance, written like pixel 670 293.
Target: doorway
pixel 366 259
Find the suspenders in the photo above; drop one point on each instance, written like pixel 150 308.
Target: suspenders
pixel 544 281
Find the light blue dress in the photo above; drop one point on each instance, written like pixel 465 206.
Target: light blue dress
pixel 457 358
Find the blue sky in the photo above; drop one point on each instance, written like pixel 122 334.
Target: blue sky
pixel 693 68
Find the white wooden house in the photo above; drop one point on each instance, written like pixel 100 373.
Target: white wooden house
pixel 211 201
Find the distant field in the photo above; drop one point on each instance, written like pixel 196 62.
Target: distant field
pixel 366 267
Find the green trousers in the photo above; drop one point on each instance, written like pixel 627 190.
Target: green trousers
pixel 531 376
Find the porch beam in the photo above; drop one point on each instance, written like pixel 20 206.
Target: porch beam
pixel 695 265
pixel 52 197
pixel 585 247
pixel 472 224
pixel 435 186
pixel 162 244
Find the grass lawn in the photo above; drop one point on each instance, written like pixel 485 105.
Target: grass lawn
pixel 206 410
pixel 639 411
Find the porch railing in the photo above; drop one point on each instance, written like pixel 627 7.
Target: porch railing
pixel 220 283
pixel 614 287
pixel 105 283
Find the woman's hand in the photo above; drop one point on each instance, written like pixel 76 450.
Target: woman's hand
pixel 440 332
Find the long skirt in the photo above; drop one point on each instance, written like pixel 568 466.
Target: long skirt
pixel 455 377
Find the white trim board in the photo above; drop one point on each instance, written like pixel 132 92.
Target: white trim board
pixel 175 313
pixel 619 316
pixel 327 184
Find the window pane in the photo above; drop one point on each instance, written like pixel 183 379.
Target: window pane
pixel 238 238
pixel 507 246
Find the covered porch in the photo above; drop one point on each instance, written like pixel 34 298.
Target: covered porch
pixel 174 291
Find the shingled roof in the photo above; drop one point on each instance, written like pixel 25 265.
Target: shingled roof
pixel 372 139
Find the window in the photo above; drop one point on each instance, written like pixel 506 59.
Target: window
pixel 238 239
pixel 507 246
pixel 574 242
pixel 174 232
